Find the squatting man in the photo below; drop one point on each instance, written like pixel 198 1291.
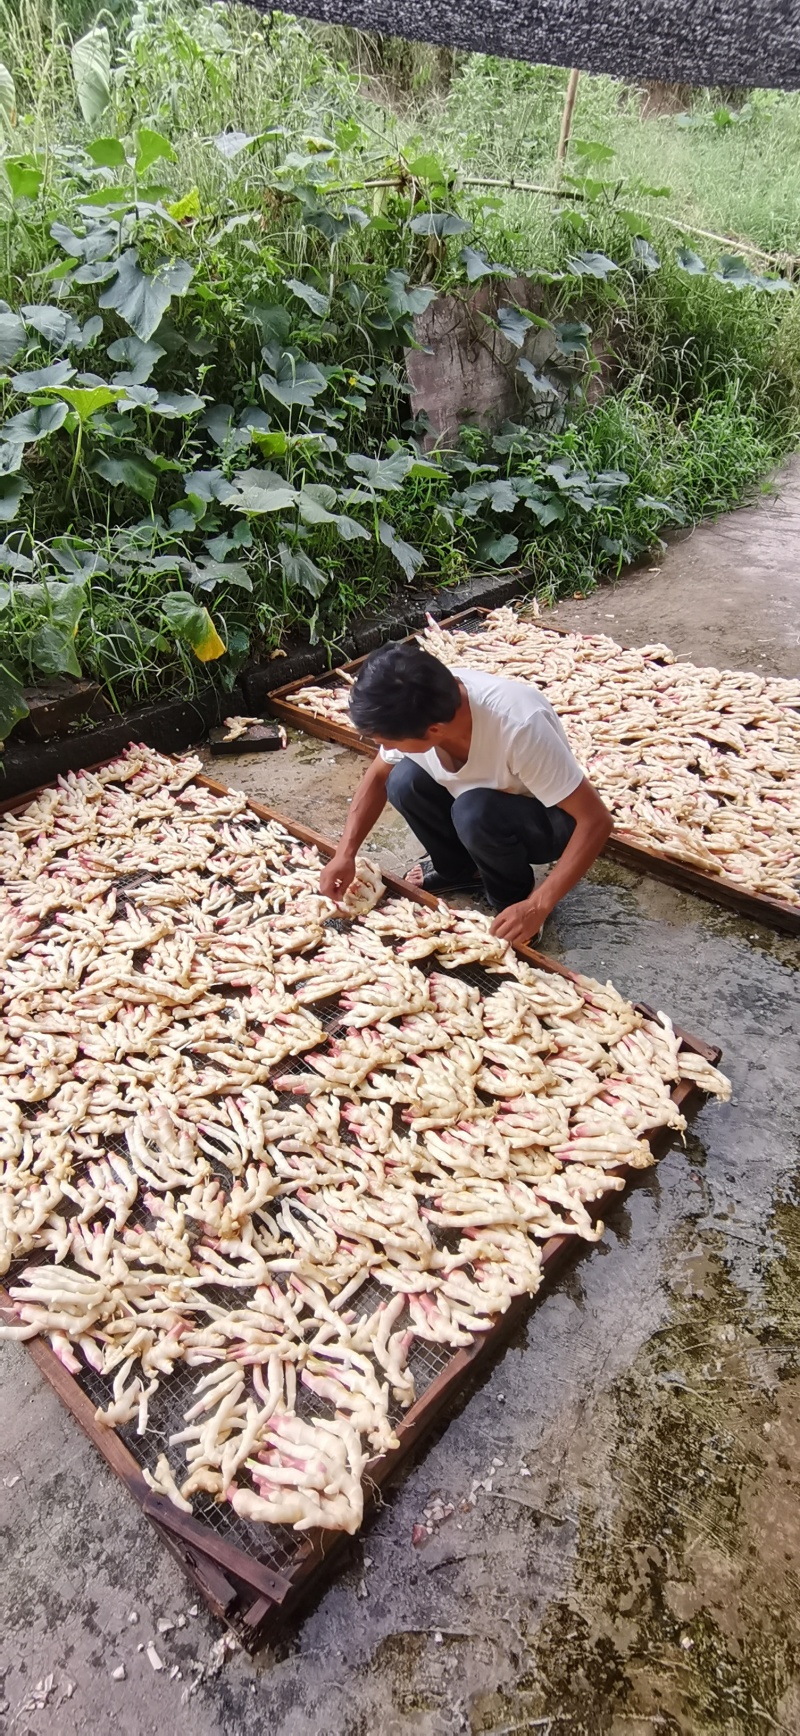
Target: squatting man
pixel 481 770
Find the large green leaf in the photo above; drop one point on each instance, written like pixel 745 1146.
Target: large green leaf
pixel 241 537
pixel 52 650
pixel 565 475
pixel 8 96
pixel 150 147
pixel 52 323
pixel 612 479
pixel 34 424
pixel 108 200
pixel 306 292
pixel 12 335
pixel 428 168
pixel 172 405
pixel 206 574
pixel 316 214
pixel 140 360
pixel 91 68
pixel 96 271
pixel 733 269
pixel 178 404
pixel 409 558
pixel 142 299
pixel 514 324
pixel 590 187
pixel 476 265
pixel 386 473
pixel 300 570
pixel 537 382
pixel 67 603
pixel 350 529
pixel 500 494
pixel 402 300
pixel 272 321
pixel 12 703
pixel 37 379
pixel 98 242
pixel 592 265
pixel 572 336
pixel 185 209
pixel 24 177
pixel 258 491
pixel 314 503
pixel 591 151
pixel 87 400
pixel 12 489
pixel 90 332
pixel 547 511
pixel 10 458
pixel 424 468
pixel 492 547
pixel 205 486
pixel 107 153
pixel 645 254
pixel 237 653
pixel 192 624
pixel 440 224
pixel 138 474
pixel 294 382
pixel 664 508
pixel 140 397
pixel 11 561
pixel 217 419
pixel 77 558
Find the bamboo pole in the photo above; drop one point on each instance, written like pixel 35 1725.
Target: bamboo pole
pixel 735 245
pixel 782 261
pixel 566 118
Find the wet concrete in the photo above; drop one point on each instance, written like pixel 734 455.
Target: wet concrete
pixel 726 593
pixel 624 1554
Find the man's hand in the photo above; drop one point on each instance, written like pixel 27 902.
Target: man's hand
pixel 366 807
pixel 337 875
pixel 520 923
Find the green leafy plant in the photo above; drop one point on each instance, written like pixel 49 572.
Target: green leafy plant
pixel 217 261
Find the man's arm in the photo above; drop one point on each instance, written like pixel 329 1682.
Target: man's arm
pixel 593 826
pixel 366 807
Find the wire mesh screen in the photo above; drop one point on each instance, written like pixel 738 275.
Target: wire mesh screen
pixel 274 1546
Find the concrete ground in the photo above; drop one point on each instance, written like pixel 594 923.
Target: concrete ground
pixel 725 593
pixel 624 1554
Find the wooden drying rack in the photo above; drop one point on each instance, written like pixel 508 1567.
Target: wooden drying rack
pixel 247 1594
pixel 622 846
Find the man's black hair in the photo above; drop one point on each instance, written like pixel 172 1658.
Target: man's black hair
pixel 401 691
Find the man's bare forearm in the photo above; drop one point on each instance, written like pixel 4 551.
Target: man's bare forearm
pixel 582 850
pixel 592 829
pixel 366 808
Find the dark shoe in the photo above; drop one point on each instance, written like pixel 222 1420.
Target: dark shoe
pixel 438 884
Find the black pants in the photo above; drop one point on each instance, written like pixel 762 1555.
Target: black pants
pixel 498 834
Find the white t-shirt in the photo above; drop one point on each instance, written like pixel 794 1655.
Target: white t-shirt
pixel 518 744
